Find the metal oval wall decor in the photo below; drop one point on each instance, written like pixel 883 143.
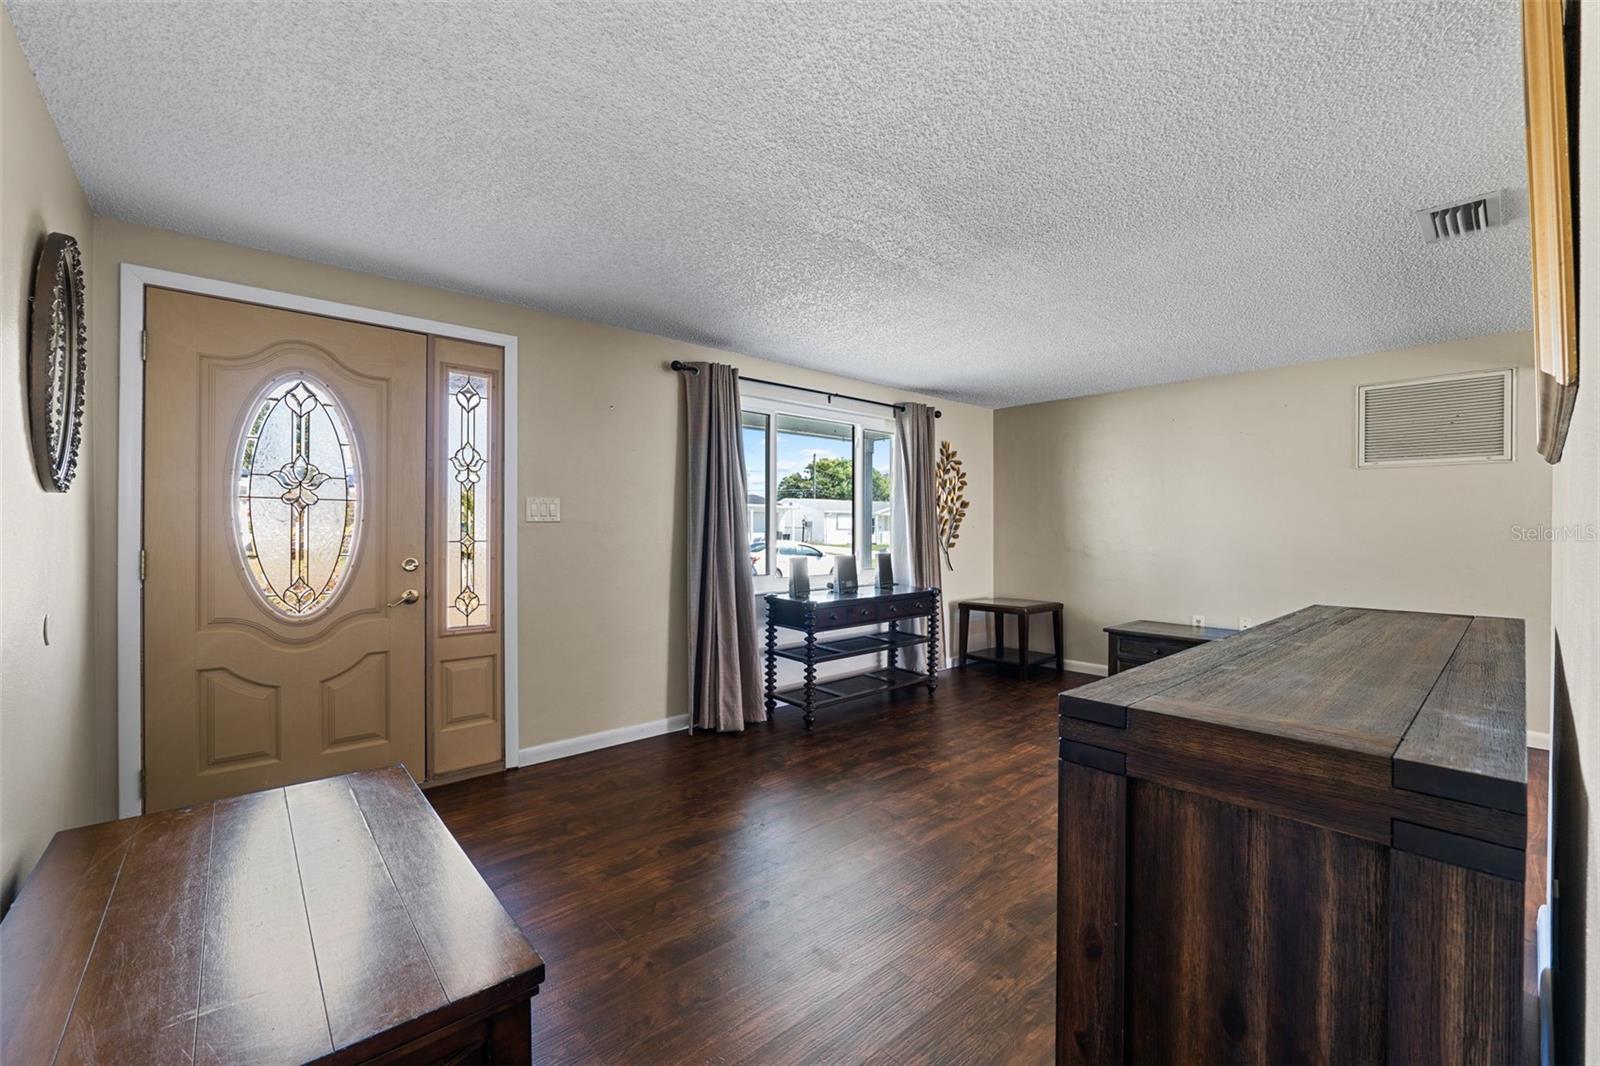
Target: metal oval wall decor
pixel 58 362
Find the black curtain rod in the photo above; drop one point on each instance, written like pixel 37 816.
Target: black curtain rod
pixel 684 368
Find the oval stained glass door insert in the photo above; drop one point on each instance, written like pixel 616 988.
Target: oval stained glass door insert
pixel 299 496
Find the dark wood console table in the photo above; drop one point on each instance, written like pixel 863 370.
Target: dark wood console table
pixel 1136 643
pixel 334 921
pixel 832 609
pixel 1305 843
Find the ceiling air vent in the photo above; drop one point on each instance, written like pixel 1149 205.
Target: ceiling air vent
pixel 1462 418
pixel 1458 220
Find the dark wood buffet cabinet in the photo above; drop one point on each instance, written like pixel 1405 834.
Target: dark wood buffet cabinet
pixel 1303 843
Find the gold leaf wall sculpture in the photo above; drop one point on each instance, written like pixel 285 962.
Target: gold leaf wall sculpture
pixel 950 483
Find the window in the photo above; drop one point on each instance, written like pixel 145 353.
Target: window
pixel 819 486
pixel 753 436
pixel 298 496
pixel 879 448
pixel 468 507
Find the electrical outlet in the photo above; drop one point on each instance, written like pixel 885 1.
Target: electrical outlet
pixel 1198 621
pixel 1245 623
pixel 544 509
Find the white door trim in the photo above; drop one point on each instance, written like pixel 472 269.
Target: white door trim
pixel 130 489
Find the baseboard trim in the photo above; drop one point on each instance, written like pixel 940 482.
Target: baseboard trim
pixel 1539 740
pixel 1073 666
pixel 610 738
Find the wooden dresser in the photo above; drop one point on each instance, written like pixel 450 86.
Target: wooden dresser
pixel 1136 643
pixel 1304 843
pixel 334 921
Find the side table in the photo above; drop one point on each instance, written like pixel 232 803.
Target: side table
pixel 1022 610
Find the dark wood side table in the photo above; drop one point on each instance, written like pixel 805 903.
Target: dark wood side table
pixel 1136 643
pixel 827 609
pixel 1000 607
pixel 334 921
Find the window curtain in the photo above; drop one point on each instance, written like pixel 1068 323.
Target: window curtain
pixel 724 682
pixel 914 544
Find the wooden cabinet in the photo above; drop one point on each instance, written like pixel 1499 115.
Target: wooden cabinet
pixel 1301 844
pixel 333 921
pixel 1136 643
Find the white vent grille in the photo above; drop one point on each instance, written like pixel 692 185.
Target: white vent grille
pixel 1463 418
pixel 1458 220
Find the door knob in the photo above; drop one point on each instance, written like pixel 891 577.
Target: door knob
pixel 408 596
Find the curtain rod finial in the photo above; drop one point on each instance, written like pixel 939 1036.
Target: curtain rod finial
pixel 683 368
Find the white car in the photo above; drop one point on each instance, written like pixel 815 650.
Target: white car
pixel 821 563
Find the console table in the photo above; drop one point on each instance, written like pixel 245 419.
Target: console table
pixel 334 921
pixel 833 609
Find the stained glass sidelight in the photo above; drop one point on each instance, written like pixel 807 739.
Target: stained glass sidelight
pixel 468 507
pixel 299 497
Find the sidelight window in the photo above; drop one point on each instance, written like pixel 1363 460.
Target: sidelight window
pixel 468 515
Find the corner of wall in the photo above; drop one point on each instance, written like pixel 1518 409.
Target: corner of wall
pixel 52 752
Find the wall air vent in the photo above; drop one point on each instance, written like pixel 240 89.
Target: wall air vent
pixel 1458 220
pixel 1462 418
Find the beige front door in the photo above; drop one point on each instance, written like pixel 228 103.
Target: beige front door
pixel 285 494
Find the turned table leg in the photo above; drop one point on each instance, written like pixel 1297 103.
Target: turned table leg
pixel 811 676
pixel 933 644
pixel 772 667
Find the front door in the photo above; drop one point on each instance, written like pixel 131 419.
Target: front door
pixel 285 494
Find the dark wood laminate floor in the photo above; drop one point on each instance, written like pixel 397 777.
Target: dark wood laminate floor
pixel 881 890
pixel 883 887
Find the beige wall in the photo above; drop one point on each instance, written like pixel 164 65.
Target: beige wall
pixel 601 426
pixel 1575 615
pixel 1239 496
pixel 54 761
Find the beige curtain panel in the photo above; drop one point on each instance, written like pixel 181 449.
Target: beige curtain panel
pixel 724 679
pixel 915 523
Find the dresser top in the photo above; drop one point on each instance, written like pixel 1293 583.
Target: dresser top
pixel 1440 696
pixel 285 925
pixel 1146 628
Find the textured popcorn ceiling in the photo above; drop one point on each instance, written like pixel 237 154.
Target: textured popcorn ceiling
pixel 1000 202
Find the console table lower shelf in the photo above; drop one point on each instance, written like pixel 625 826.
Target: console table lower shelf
pixel 851 609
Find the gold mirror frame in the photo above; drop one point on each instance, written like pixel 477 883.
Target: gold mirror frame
pixel 1550 55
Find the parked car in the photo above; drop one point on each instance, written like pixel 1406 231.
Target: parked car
pixel 821 563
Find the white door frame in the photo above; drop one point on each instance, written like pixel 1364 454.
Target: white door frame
pixel 130 491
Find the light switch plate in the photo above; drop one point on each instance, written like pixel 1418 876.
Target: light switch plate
pixel 544 509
